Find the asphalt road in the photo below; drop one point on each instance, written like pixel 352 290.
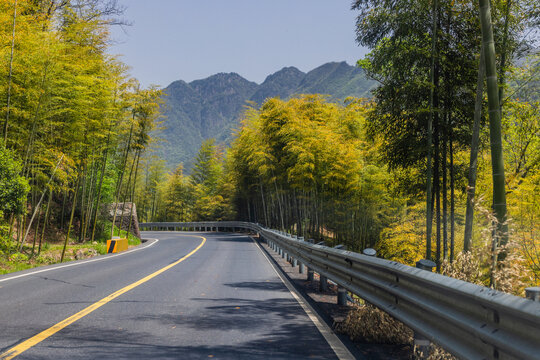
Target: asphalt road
pixel 223 301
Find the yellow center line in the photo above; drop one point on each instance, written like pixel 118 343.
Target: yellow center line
pixel 25 345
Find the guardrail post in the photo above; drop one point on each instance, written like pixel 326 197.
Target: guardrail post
pixel 310 274
pixel 341 291
pixel 323 280
pixel 533 293
pixel 422 345
pixel 310 271
pixel 341 296
pixel 323 283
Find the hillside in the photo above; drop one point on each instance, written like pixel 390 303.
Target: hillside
pixel 211 107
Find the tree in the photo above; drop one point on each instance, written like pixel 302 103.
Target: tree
pixel 423 105
pixel 207 168
pixel 13 187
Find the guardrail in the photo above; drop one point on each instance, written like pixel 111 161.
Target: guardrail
pixel 470 321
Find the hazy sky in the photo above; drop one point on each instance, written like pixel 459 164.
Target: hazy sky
pixel 192 39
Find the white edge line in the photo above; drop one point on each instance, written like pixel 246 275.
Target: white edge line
pixel 82 262
pixel 335 343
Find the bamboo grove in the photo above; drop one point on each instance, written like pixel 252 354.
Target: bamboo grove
pixel 356 172
pixel 432 59
pixel 74 124
pixel 303 165
pixel 408 172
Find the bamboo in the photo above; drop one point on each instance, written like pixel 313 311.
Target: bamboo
pixel 495 131
pixel 445 188
pixel 71 217
pixel 429 190
pixel 45 221
pixel 504 53
pixel 102 175
pixel 473 163
pixel 138 156
pixel 40 200
pixel 83 193
pixel 36 231
pixel 452 201
pixel 10 76
pixel 119 186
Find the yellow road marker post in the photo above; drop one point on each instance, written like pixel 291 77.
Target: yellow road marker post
pixel 117 244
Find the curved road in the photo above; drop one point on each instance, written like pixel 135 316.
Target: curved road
pixel 186 296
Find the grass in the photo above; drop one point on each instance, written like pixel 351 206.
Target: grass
pixel 51 251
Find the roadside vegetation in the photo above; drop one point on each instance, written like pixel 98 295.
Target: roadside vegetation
pixel 50 252
pixel 74 128
pixel 408 172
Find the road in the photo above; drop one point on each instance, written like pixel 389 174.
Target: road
pixel 185 296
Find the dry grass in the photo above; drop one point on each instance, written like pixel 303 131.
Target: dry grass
pixel 466 267
pixel 368 323
pixel 438 353
pixel 483 265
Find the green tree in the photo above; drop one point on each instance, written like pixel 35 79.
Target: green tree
pixel 13 187
pixel 207 167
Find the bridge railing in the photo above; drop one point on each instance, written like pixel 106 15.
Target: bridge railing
pixel 470 321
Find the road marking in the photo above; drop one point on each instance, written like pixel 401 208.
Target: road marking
pixel 27 344
pixel 77 263
pixel 340 350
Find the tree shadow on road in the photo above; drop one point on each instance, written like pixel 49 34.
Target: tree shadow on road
pixel 228 328
pixel 260 285
pixel 225 328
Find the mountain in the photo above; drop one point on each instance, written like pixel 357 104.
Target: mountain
pixel 339 80
pixel 280 84
pixel 211 107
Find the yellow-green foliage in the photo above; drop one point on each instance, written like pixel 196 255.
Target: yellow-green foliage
pixel 305 165
pixel 404 241
pixel 524 207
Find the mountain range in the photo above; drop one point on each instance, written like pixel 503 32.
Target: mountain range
pixel 212 107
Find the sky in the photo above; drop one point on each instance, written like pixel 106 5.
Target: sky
pixel 192 39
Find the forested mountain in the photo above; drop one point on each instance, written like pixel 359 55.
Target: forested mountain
pixel 211 107
pixel 200 110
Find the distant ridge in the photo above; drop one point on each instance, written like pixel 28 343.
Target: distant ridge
pixel 211 107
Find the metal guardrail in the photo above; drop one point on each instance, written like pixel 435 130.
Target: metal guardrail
pixel 470 321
